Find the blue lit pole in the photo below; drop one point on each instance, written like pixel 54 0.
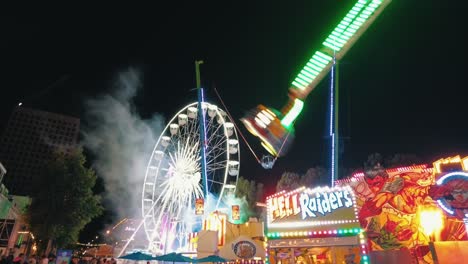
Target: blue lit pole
pixel 336 133
pixel 334 113
pixel 201 116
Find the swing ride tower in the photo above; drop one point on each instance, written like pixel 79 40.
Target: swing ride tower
pixel 275 129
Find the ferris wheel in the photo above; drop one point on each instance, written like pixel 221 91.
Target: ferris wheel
pixel 173 176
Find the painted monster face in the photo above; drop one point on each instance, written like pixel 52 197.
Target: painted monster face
pixel 376 183
pixel 460 195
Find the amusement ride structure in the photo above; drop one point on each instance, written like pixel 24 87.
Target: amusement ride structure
pixel 274 128
pixel 197 154
pixel 173 176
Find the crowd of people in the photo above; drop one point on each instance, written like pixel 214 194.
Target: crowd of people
pixel 23 259
pixel 51 259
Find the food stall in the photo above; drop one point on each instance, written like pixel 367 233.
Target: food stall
pixel 315 226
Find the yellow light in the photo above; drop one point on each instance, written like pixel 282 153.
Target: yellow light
pixel 216 222
pixel 465 163
pixel 431 219
pixel 269 147
pixel 455 159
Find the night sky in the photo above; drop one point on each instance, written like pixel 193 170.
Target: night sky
pixel 402 85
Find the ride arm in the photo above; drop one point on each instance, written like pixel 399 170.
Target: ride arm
pixel 337 44
pixel 275 133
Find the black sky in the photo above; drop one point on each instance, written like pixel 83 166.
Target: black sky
pixel 403 84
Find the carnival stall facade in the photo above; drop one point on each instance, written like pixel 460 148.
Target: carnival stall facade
pixel 409 208
pixel 237 243
pixel 318 225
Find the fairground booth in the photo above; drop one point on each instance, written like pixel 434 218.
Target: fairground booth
pixel 234 240
pixel 315 226
pixel 414 214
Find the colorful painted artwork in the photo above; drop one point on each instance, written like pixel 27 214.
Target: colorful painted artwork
pixel 451 193
pixel 390 204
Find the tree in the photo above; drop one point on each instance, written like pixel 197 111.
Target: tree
pixel 314 177
pixel 63 201
pixel 252 192
pixel 288 181
pixel 373 160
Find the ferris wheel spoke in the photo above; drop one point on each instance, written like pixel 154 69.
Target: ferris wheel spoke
pixel 213 171
pixel 217 144
pixel 216 151
pixel 212 126
pixel 215 133
pixel 215 159
pixel 213 166
pixel 217 182
pixel 193 128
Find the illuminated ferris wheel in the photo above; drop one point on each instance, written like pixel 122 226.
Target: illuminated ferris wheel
pixel 173 179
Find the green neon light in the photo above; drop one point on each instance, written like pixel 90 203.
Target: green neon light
pixel 303 77
pixel 303 83
pixel 308 74
pixel 347 28
pixel 289 118
pixel 313 68
pixel 353 20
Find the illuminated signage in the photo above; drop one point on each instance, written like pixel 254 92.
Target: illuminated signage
pixel 312 209
pixel 309 205
pixel 199 206
pixel 456 160
pixel 235 212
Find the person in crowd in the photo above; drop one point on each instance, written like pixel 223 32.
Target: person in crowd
pixel 32 259
pixel 19 259
pixel 51 259
pixel 44 259
pixel 3 260
pixel 10 259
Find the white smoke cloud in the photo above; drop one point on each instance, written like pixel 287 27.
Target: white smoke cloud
pixel 121 142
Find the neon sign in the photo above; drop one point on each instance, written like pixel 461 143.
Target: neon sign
pixel 308 205
pixel 324 203
pixel 307 210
